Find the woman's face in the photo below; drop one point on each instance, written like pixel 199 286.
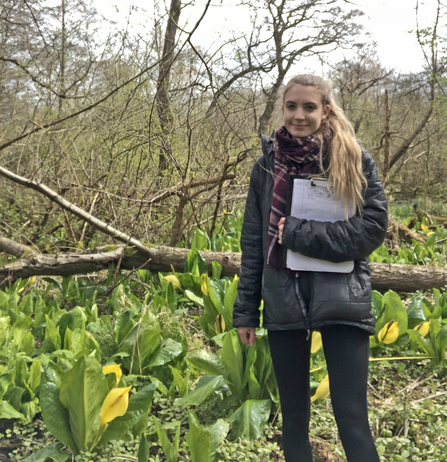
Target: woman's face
pixel 303 110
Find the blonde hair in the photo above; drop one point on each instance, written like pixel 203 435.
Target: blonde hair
pixel 344 173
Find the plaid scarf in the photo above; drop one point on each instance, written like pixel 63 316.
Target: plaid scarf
pixel 296 157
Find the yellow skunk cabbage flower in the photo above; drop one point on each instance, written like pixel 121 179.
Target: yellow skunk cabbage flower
pixel 316 342
pixel 114 368
pixel 204 286
pixel 322 390
pixel 389 332
pixel 28 284
pixel 115 405
pixel 219 325
pixel 236 277
pixel 423 328
pixel 171 278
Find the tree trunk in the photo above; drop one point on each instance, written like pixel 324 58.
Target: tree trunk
pixel 386 148
pixel 401 278
pixel 264 120
pixel 162 97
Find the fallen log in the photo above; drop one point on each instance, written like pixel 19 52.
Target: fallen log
pixel 401 278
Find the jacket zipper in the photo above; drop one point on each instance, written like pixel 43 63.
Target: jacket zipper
pixel 302 307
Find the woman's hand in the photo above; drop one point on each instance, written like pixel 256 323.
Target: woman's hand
pixel 247 335
pixel 281 229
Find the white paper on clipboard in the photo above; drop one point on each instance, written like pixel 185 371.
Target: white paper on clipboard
pixel 311 200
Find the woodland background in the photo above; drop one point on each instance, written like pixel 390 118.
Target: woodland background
pixel 153 136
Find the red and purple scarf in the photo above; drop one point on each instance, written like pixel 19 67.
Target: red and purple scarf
pixel 296 157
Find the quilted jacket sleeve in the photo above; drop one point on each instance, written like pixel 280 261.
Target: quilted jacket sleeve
pixel 246 308
pixel 343 240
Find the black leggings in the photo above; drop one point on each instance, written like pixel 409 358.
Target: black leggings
pixel 347 350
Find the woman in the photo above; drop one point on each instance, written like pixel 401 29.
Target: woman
pixel 316 139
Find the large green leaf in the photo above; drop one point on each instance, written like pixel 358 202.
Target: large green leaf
pixel 82 392
pixel 165 353
pixel 199 441
pixel 81 340
pixel 143 450
pixel 180 381
pixel 52 452
pixel 233 359
pixel 28 344
pixel 207 361
pixel 19 331
pixel 52 336
pixel 4 328
pixel 430 311
pixel 75 318
pixel 263 365
pixel 415 312
pixel 249 420
pixel 8 412
pixel 195 263
pixel 208 317
pixel 216 269
pixel 191 282
pixel 394 310
pixel 20 371
pixel 30 408
pixel 55 415
pixel 203 441
pixel 422 342
pixel 124 323
pixel 15 397
pixel 200 241
pixel 171 297
pixel 5 382
pixel 194 298
pixel 140 342
pixel 377 303
pixel 201 393
pixel 229 299
pixel 139 404
pixel 218 431
pixel 215 294
pixel 170 449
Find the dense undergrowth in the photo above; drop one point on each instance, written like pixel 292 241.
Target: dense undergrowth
pixel 184 386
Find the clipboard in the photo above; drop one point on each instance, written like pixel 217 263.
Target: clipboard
pixel 309 199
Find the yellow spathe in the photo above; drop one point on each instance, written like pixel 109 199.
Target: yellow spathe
pixel 175 282
pixel 322 390
pixel 114 368
pixel 316 342
pixel 389 332
pixel 115 404
pixel 423 328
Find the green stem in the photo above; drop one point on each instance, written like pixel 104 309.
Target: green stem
pixel 98 436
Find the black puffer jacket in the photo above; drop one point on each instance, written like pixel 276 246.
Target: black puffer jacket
pixel 336 298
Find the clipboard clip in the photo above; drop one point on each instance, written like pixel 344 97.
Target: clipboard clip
pixel 314 182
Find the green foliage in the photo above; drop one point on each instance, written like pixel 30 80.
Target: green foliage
pixel 430 253
pixel 53 341
pixel 203 441
pixel 170 449
pixel 249 420
pixel 52 452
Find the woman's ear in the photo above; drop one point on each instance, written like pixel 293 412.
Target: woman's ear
pixel 326 111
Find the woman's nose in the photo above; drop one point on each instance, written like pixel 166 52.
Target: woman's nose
pixel 299 113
